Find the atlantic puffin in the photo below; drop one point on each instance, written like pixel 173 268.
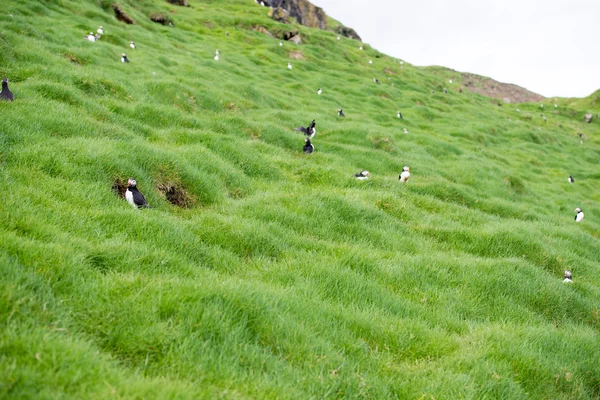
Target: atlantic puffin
pixel 405 130
pixel 405 174
pixel 362 175
pixel 6 94
pixel 571 180
pixel 445 91
pixel 310 131
pixel 319 91
pixel 543 116
pixel 132 45
pixel 579 215
pixel 568 277
pixel 541 105
pixel 308 147
pixel 370 61
pixel 450 81
pixel 399 115
pixel 360 47
pixel 133 195
pixel 338 38
pixel 100 30
pixel 217 55
pixel 124 58
pixel 91 37
pixel 341 113
pixel 581 137
pixel 289 65
pixel 280 43
pixel 375 80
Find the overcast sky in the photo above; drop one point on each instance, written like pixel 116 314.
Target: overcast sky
pixel 550 47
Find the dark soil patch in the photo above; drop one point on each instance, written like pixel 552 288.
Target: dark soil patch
pixel 176 194
pixel 183 3
pixel 507 92
pixel 121 15
pixel 162 19
pixel 119 188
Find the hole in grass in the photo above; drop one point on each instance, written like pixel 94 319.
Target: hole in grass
pixel 382 143
pixel 119 188
pixel 176 194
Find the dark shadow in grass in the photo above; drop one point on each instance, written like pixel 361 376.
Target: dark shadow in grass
pixel 119 188
pixel 176 194
pixel 98 261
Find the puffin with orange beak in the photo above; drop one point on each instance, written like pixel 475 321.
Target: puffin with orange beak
pixel 133 195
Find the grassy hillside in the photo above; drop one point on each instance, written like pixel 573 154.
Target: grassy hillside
pixel 277 275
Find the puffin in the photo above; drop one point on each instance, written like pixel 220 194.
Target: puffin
pixel 362 175
pixel 97 36
pixel 341 113
pixel 375 80
pixel 405 130
pixel 543 116
pixel 581 137
pixel 133 195
pixel 449 80
pixel 289 65
pixel 280 43
pixel 405 174
pixel 400 115
pixel 338 38
pixel 217 55
pixel 445 91
pixel 361 47
pixel 132 44
pixel 310 131
pixel 6 94
pixel 555 105
pixel 579 215
pixel 319 91
pixel 571 180
pixel 308 147
pixel 568 277
pixel 100 30
pixel 91 37
pixel 370 61
pixel 124 58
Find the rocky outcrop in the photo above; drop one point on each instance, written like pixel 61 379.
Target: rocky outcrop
pixel 121 15
pixel 296 39
pixel 348 32
pixel 183 3
pixel 509 93
pixel 279 15
pixel 304 12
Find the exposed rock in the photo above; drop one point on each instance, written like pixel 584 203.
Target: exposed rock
pixel 388 71
pixel 161 19
pixel 279 15
pixel 262 29
pixel 491 88
pixel 296 39
pixel 588 118
pixel 289 34
pixel 179 2
pixel 348 32
pixel 121 15
pixel 296 55
pixel 507 100
pixel 305 13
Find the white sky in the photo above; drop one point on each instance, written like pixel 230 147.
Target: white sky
pixel 550 47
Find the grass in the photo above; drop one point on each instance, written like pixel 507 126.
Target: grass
pixel 278 275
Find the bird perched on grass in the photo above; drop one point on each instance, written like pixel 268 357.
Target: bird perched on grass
pixel 568 277
pixel 400 115
pixel 361 48
pixel 341 113
pixel 132 45
pixel 445 91
pixel 362 175
pixel 319 91
pixel 91 37
pixel 405 130
pixel 289 65
pixel 124 58
pixel 543 116
pixel 6 94
pixel 217 55
pixel 100 30
pixel 578 215
pixel 405 174
pixel 310 131
pixel 338 38
pixel 308 147
pixel 571 180
pixel 370 61
pixel 280 43
pixel 133 195
pixel 581 137
pixel 375 80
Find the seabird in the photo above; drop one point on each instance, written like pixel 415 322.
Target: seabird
pixel 405 174
pixel 370 61
pixel 405 130
pixel 541 105
pixel 360 47
pixel 6 94
pixel 226 33
pixel 543 116
pixel 362 175
pixel 308 147
pixel 450 81
pixel 280 43
pixel 289 65
pixel 91 37
pixel 319 91
pixel 338 38
pixel 581 137
pixel 401 62
pixel 124 58
pixel 262 3
pixel 375 80
pixel 133 195
pixel 341 113
pixel 132 44
pixel 310 131
pixel 518 110
pixel 97 36
pixel 571 180
pixel 555 105
pixel 579 215
pixel 100 30
pixel 568 277
pixel 400 115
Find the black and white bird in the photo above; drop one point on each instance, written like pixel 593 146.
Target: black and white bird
pixel 571 180
pixel 132 44
pixel 308 147
pixel 399 115
pixel 375 80
pixel 289 65
pixel 362 175
pixel 133 195
pixel 541 106
pixel 370 61
pixel 6 94
pixel 543 116
pixel 124 58
pixel 405 130
pixel 280 43
pixel 310 131
pixel 578 215
pixel 445 91
pixel 100 30
pixel 361 48
pixel 319 91
pixel 338 38
pixel 405 174
pixel 581 137
pixel 341 113
pixel 217 55
pixel 568 277
pixel 91 37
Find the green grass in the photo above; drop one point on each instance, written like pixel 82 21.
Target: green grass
pixel 282 277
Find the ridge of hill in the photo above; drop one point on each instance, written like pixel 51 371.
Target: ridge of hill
pixel 263 272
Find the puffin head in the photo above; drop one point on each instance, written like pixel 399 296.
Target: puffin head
pixel 578 210
pixel 131 182
pixel 568 274
pixel 123 55
pixel 365 173
pixel 5 80
pixel 406 168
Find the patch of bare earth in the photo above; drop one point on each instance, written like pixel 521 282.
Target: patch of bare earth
pixel 506 92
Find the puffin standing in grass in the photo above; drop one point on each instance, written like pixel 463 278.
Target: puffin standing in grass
pixel 6 94
pixel 579 215
pixel 124 58
pixel 100 30
pixel 280 43
pixel 405 131
pixel 571 180
pixel 375 80
pixel 362 175
pixel 91 37
pixel 132 44
pixel 308 147
pixel 217 55
pixel 399 115
pixel 133 195
pixel 319 91
pixel 568 277
pixel 405 174
pixel 310 131
pixel 341 113
pixel 289 65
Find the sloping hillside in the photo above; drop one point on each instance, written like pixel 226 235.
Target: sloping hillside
pixel 263 272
